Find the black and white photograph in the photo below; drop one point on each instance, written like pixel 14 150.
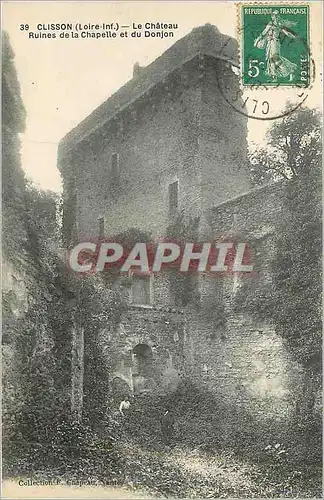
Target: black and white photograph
pixel 162 249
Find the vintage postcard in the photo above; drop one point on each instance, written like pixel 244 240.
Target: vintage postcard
pixel 162 249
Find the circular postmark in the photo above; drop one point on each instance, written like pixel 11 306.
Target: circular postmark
pixel 260 101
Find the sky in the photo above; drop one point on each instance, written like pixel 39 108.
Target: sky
pixel 64 80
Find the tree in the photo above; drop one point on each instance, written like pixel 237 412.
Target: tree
pixel 295 299
pixel 13 178
pixel 293 302
pixel 293 148
pixel 296 143
pixel 37 327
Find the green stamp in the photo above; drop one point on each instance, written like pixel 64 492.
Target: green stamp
pixel 275 45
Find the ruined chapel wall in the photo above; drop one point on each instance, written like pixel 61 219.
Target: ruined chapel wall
pixel 229 351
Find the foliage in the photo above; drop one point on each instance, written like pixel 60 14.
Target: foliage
pixel 72 450
pixel 207 459
pixel 41 338
pixel 13 179
pixel 293 148
pixel 38 328
pixel 99 308
pixel 297 271
pixel 184 290
pixel 13 112
pixel 132 236
pixel 76 447
pixel 38 429
pixel 295 299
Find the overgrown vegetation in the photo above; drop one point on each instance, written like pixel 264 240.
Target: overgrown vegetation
pixel 41 437
pixel 40 310
pixel 183 287
pixel 294 301
pixel 294 148
pixel 41 343
pixel 204 459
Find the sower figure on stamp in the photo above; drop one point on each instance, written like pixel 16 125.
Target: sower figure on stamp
pixel 276 64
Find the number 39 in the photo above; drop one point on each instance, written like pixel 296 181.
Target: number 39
pixel 254 69
pixel 24 27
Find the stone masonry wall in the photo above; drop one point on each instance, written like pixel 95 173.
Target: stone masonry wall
pixel 223 138
pixel 230 351
pixel 157 144
pixel 162 330
pixel 182 130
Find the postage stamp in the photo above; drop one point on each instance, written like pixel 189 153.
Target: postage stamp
pixel 275 44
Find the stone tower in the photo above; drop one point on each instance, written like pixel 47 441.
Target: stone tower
pixel 167 141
